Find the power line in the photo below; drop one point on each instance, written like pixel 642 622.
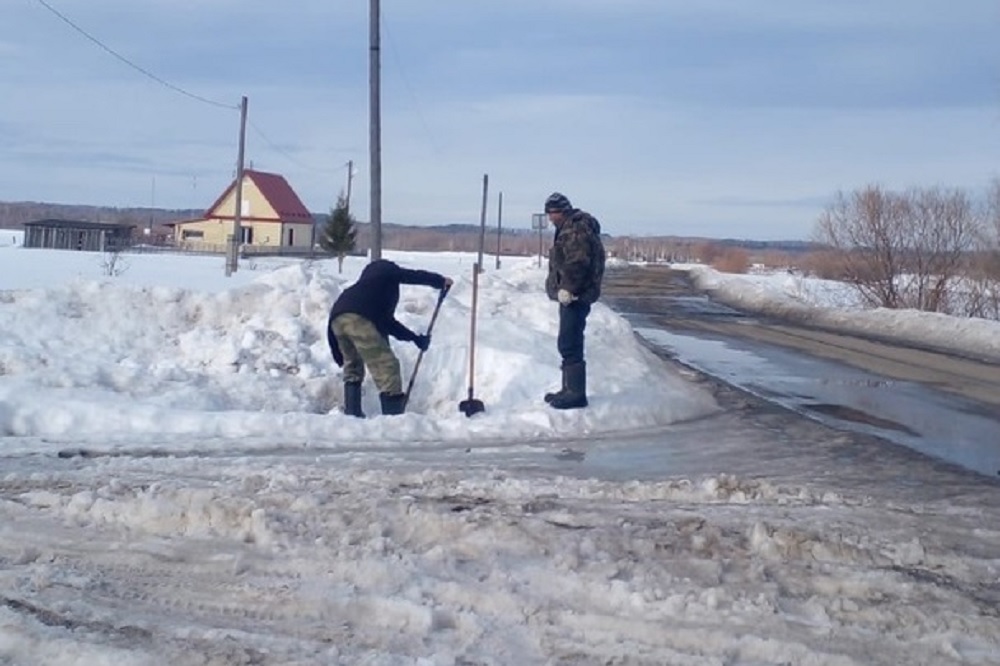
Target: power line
pixel 288 155
pixel 141 70
pixel 163 82
pixel 409 88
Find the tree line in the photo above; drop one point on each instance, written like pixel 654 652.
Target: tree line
pixel 931 249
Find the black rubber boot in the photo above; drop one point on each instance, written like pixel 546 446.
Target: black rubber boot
pixel 549 397
pixel 352 399
pixel 575 395
pixel 392 404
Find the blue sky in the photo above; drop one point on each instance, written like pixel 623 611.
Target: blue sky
pixel 721 118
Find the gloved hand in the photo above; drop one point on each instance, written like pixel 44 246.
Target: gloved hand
pixel 422 342
pixel 565 297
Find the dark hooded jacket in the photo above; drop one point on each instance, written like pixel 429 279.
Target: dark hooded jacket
pixel 375 296
pixel 576 260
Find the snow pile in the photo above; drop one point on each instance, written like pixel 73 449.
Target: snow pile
pixel 103 360
pixel 828 304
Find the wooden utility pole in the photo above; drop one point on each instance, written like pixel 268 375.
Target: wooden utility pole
pixel 375 130
pixel 350 177
pixel 232 265
pixel 238 217
pixel 499 217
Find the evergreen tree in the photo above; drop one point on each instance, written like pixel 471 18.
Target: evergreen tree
pixel 339 232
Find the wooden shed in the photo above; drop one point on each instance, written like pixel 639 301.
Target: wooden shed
pixel 78 235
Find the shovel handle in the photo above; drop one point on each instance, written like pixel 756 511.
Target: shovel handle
pixel 472 334
pixel 420 356
pixel 471 405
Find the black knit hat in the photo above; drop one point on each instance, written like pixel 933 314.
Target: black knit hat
pixel 557 203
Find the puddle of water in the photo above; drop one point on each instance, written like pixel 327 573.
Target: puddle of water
pixel 848 414
pixel 931 422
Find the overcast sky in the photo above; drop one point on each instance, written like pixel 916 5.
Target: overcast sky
pixel 723 118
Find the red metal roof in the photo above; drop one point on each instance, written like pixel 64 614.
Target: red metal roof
pixel 276 190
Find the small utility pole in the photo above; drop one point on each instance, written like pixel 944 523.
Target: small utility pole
pixel 482 222
pixel 499 218
pixel 375 130
pixel 152 209
pixel 233 264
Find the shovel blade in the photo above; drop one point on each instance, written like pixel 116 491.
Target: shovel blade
pixel 471 407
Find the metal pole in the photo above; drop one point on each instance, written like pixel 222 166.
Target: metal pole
pixel 238 213
pixel 152 208
pixel 499 218
pixel 482 222
pixel 375 131
pixel 542 224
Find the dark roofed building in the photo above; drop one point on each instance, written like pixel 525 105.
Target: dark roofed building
pixel 78 235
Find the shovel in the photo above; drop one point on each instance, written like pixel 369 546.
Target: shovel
pixel 470 405
pixel 420 356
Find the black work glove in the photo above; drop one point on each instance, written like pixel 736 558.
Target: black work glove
pixel 422 342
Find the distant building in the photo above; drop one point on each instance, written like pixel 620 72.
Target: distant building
pixel 78 235
pixel 271 216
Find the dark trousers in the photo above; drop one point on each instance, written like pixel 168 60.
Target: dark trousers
pixel 572 322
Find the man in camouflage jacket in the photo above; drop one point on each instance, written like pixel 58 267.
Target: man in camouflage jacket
pixel 576 268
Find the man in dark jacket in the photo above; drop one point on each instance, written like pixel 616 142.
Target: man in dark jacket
pixel 360 322
pixel 576 268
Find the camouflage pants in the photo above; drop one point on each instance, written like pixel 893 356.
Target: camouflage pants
pixel 362 345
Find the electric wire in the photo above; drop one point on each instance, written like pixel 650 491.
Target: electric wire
pixel 138 68
pixel 287 155
pixel 145 72
pixel 409 88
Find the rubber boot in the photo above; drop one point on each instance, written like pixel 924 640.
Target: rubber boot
pixel 549 397
pixel 352 399
pixel 392 404
pixel 575 395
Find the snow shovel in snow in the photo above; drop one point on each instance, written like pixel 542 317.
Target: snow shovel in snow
pixel 470 405
pixel 420 356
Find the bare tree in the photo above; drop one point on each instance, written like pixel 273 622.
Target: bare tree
pixel 942 230
pixel 113 261
pixel 865 231
pixel 908 250
pixel 732 260
pixel 984 272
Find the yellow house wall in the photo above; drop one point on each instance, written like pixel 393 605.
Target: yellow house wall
pixel 301 236
pixel 215 231
pixel 269 234
pixel 274 234
pixel 255 205
pixel 266 233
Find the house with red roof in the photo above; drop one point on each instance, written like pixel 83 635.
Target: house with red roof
pixel 271 216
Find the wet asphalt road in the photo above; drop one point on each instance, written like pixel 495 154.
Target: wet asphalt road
pixel 940 405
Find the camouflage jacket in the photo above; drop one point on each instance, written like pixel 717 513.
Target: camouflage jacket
pixel 576 260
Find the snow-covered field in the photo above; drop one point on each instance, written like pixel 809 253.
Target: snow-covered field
pixel 239 518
